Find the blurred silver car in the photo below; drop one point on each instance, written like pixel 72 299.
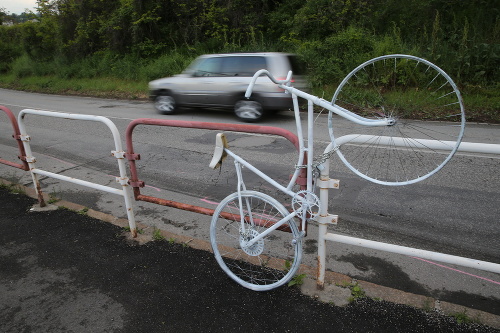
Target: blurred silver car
pixel 220 80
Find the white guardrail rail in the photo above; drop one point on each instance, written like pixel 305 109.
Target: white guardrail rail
pixel 118 153
pixel 326 219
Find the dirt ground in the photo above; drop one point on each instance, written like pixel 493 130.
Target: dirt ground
pixel 61 271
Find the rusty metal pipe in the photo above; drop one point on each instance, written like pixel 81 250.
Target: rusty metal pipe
pixel 24 166
pixel 243 128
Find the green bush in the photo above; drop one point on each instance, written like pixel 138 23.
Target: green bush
pixel 331 59
pixel 23 67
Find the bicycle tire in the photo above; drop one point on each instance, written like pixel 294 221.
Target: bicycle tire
pixel 269 263
pixel 429 119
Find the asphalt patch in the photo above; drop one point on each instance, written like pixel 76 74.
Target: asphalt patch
pixel 63 271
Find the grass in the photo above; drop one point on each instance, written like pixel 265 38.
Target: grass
pixel 84 211
pixel 13 188
pixel 356 290
pixel 482 104
pixel 95 87
pixel 463 318
pixel 297 280
pixel 157 236
pixel 52 199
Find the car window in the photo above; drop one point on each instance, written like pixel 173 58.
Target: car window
pixel 242 65
pixel 208 67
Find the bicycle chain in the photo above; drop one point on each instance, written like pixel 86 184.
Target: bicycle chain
pixel 320 159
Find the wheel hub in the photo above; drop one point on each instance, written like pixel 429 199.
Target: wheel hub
pixel 256 248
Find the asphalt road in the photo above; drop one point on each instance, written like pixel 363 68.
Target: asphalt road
pixel 455 212
pixel 66 272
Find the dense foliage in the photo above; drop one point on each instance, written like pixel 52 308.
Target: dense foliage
pixel 146 39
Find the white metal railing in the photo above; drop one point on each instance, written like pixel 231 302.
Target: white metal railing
pixel 118 153
pixel 325 183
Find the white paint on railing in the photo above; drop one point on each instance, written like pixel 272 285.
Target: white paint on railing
pixel 470 147
pixel 125 191
pixel 324 236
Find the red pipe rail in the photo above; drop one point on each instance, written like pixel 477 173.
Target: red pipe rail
pixel 132 156
pixel 17 136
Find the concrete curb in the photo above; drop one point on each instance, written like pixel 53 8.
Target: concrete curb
pixel 337 286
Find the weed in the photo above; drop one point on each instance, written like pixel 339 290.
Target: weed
pixel 157 236
pixel 463 318
pixel 84 211
pixel 126 229
pixel 297 280
pixel 427 305
pixel 13 188
pixel 171 240
pixel 356 290
pixel 52 199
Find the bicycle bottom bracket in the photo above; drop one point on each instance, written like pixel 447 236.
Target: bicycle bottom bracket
pixel 306 202
pixel 256 248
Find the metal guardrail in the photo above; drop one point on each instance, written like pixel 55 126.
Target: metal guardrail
pixel 325 219
pixel 325 183
pixel 118 153
pixel 132 156
pixel 24 166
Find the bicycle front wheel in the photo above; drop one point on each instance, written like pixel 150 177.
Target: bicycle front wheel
pixel 271 261
pixel 427 111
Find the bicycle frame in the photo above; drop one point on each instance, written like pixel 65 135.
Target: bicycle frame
pixel 383 108
pixel 312 100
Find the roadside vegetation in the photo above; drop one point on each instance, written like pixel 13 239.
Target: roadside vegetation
pixel 93 48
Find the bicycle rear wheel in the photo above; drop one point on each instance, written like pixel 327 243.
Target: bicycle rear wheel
pixel 427 109
pixel 271 261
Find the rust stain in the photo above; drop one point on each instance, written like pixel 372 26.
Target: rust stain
pixel 17 136
pixel 41 201
pixel 320 285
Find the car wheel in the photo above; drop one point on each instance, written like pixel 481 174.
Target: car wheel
pixel 165 104
pixel 248 111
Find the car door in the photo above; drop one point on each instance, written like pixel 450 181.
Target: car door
pixel 235 74
pixel 198 87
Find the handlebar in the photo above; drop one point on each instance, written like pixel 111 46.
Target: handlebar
pixel 284 84
pixel 288 79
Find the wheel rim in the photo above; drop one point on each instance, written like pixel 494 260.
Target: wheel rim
pixel 165 103
pixel 248 110
pixel 268 263
pixel 402 88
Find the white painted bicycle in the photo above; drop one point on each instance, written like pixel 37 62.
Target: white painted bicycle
pixel 400 106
